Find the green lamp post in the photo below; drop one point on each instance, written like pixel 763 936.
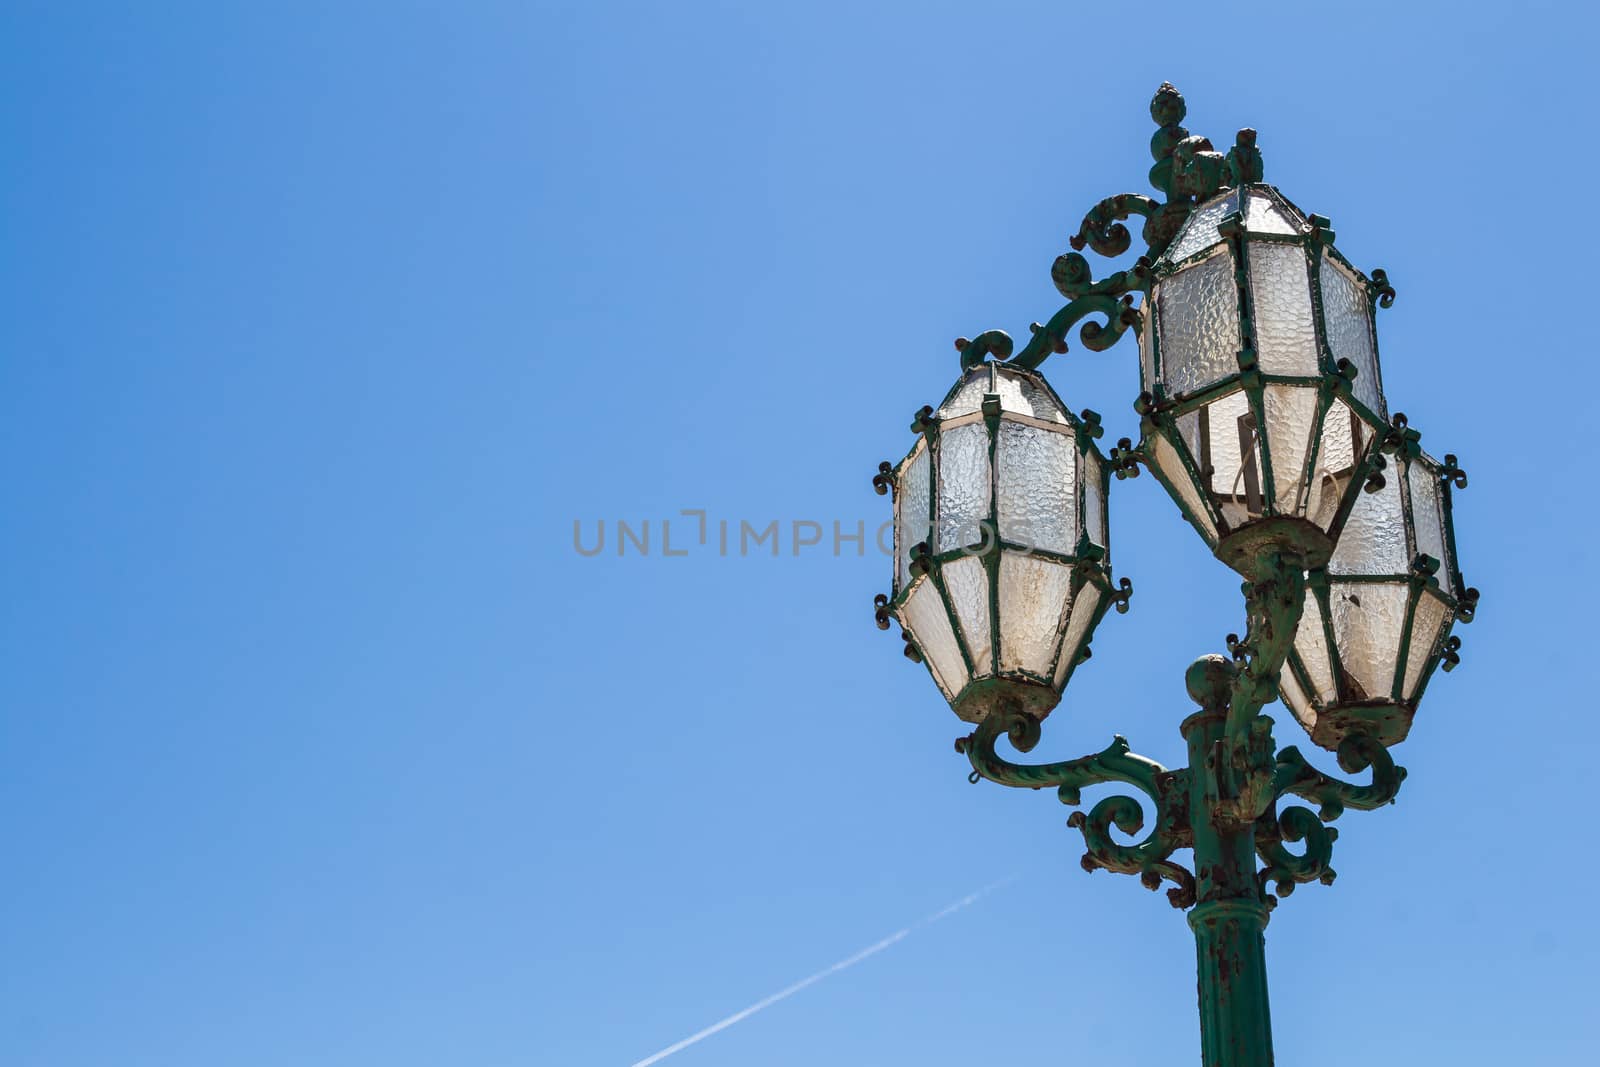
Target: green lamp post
pixel 1263 415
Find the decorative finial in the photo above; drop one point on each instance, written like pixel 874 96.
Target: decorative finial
pixel 1244 159
pixel 1167 108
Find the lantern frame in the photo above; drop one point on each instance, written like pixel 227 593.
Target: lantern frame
pixel 1088 562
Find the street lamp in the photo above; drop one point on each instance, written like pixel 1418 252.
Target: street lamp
pixel 1263 414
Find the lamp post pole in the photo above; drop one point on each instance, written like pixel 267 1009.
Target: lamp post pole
pixel 1229 918
pixel 1263 416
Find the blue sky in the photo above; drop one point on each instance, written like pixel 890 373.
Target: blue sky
pixel 321 325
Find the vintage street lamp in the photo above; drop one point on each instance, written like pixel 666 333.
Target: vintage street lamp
pixel 1264 416
pixel 1000 538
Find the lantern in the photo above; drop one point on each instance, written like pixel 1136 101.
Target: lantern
pixel 1002 568
pixel 1262 400
pixel 1377 618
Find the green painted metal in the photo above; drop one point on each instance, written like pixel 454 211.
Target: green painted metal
pixel 1251 846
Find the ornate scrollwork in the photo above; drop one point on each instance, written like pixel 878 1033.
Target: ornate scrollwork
pixel 994 344
pixel 1357 752
pixel 1382 291
pixel 1102 228
pixel 1298 825
pixel 1122 595
pixel 1150 857
pixel 1187 169
pixel 883 481
pixel 1295 825
pixel 1125 458
pixel 1073 278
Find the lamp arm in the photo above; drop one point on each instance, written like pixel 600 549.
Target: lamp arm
pixel 1168 790
pixel 1052 336
pixel 1274 602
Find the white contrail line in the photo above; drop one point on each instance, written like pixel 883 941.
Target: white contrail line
pixel 850 961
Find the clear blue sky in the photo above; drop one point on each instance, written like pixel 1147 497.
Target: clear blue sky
pixel 320 324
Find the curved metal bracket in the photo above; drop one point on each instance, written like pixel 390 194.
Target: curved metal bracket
pixel 1296 824
pixel 1357 752
pixel 1167 790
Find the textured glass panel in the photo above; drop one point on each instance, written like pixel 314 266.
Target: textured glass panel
pixel 1201 229
pixel 1263 216
pixel 967 585
pixel 1229 445
pixel 1286 334
pixel 1033 599
pixel 1189 427
pixel 1038 502
pixel 1295 699
pixel 1023 396
pixel 1094 500
pixel 1083 609
pixel 1373 540
pixel 924 615
pixel 1147 357
pixel 1312 647
pixel 1348 316
pixel 1426 627
pixel 968 396
pixel 1291 411
pixel 1367 620
pixel 1426 513
pixel 912 509
pixel 1199 323
pixel 963 485
pixel 1344 439
pixel 1165 457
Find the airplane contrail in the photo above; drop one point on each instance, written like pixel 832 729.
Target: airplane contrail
pixel 849 961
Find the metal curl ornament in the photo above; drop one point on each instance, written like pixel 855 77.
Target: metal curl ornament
pixel 1150 857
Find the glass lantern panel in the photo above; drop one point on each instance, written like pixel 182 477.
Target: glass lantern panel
pixel 1026 397
pixel 1347 314
pixel 1345 439
pixel 1426 513
pixel 1033 600
pixel 1094 499
pixel 1263 216
pixel 1198 310
pixel 925 617
pixel 1291 412
pixel 1311 645
pixel 1201 229
pixel 1083 609
pixel 968 396
pixel 967 585
pixel 1295 699
pixel 1229 448
pixel 1368 618
pixel 1147 357
pixel 1280 291
pixel 1427 626
pixel 911 523
pixel 963 485
pixel 1373 540
pixel 1038 496
pixel 1165 457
